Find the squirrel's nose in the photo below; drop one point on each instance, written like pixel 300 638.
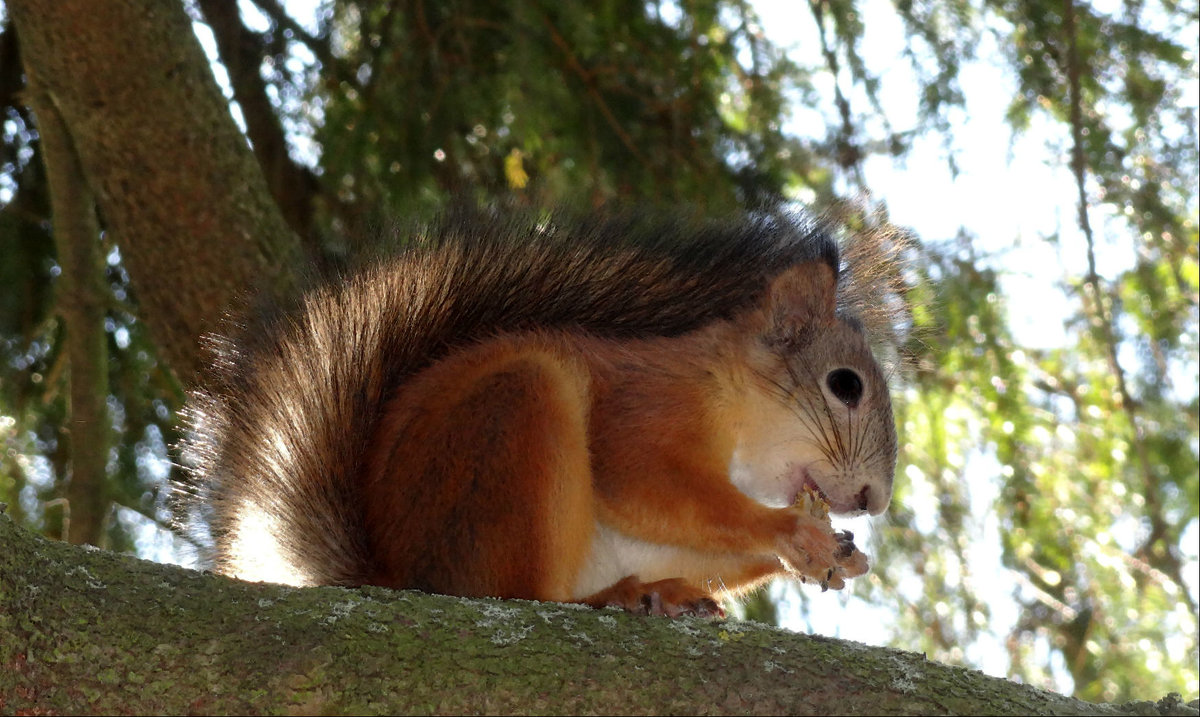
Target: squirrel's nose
pixel 874 500
pixel 864 497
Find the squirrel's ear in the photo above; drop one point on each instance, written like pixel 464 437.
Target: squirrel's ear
pixel 802 297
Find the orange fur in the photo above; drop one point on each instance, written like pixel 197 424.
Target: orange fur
pixel 494 478
pixel 494 471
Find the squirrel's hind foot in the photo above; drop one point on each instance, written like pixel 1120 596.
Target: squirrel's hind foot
pixel 673 597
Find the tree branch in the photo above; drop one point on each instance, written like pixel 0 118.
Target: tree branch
pixel 319 47
pixel 82 299
pixel 292 186
pixel 216 645
pixel 1097 305
pixel 848 156
pixel 590 86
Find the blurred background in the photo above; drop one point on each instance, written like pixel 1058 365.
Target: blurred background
pixel 1042 154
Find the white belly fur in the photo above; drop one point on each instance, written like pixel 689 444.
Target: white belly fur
pixel 615 555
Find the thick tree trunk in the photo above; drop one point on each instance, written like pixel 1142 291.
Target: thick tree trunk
pixel 95 632
pixel 173 176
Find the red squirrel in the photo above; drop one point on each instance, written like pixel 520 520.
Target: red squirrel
pixel 612 411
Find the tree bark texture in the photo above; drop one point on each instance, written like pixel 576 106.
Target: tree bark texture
pixel 96 632
pixel 81 306
pixel 174 178
pixel 292 186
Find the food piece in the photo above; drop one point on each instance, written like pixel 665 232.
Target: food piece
pixel 830 556
pixel 810 500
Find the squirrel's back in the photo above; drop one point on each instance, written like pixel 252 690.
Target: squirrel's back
pixel 279 430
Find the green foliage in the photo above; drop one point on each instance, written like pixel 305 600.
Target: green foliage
pixel 589 103
pixel 1044 493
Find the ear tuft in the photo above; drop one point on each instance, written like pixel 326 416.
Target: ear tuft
pixel 802 298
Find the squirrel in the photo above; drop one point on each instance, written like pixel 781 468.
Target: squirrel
pixel 614 410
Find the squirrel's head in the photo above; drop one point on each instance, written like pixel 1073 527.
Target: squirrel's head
pixel 817 410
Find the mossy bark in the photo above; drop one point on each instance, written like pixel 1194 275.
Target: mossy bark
pixel 94 632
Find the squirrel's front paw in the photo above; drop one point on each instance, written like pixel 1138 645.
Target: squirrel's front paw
pixel 815 550
pixel 852 560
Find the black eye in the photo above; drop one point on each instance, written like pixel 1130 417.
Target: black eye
pixel 845 385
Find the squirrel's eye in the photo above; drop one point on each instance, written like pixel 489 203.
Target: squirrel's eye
pixel 845 385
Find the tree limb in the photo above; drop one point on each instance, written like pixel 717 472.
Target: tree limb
pixel 849 157
pixel 292 186
pixel 318 46
pixel 81 302
pixel 589 84
pixel 1098 307
pixel 95 632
